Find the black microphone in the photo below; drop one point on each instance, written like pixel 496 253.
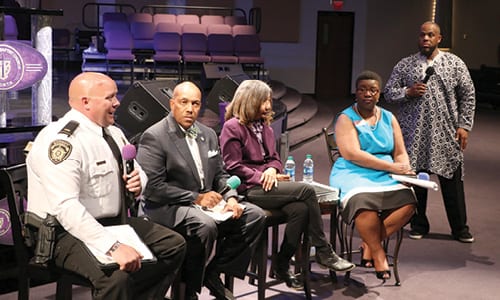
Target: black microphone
pixel 428 73
pixel 232 183
pixel 128 154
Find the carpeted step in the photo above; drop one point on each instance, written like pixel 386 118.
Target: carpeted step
pixel 292 99
pixel 278 87
pixel 312 128
pixel 303 113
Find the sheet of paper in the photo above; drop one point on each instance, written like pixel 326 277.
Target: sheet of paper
pixel 217 213
pixel 125 234
pixel 415 181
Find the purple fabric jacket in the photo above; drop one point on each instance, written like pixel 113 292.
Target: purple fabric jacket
pixel 242 155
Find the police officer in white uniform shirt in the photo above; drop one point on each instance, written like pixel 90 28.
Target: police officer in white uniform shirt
pixel 74 176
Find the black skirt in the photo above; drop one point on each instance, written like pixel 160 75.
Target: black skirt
pixel 377 201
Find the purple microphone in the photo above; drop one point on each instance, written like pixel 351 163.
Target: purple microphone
pixel 128 154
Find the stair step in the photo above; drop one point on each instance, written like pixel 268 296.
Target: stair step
pixel 292 99
pixel 312 128
pixel 278 87
pixel 302 113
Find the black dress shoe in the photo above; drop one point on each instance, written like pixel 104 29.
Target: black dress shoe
pixel 214 284
pixel 289 278
pixel 326 258
pixel 281 266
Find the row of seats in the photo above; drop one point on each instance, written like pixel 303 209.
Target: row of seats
pixel 172 18
pixel 171 36
pixel 183 43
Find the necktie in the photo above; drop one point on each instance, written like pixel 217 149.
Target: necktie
pixel 118 156
pixel 114 148
pixel 192 132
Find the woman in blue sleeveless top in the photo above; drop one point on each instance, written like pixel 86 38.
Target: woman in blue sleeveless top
pixel 371 146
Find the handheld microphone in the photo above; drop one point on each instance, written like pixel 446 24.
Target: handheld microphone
pixel 232 183
pixel 428 73
pixel 128 154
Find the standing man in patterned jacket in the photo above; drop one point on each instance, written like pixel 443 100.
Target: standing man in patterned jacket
pixel 437 103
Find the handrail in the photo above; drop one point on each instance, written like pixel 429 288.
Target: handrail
pixel 98 6
pixel 32 128
pixel 156 8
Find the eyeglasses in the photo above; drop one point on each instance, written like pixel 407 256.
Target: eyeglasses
pixel 372 91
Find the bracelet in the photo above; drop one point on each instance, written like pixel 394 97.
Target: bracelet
pixel 114 247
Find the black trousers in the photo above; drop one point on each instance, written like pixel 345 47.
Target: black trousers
pixel 150 282
pixel 452 191
pixel 300 204
pixel 235 239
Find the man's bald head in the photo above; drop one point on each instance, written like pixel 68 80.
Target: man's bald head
pixel 84 85
pixel 184 87
pixel 434 25
pixel 94 95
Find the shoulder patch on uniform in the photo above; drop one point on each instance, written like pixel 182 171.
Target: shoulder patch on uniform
pixel 59 150
pixel 70 127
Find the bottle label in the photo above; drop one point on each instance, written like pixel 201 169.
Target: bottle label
pixel 290 172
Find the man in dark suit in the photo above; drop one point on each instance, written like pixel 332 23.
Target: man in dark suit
pixel 182 160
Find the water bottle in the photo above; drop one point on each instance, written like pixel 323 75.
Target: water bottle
pixel 290 168
pixel 308 169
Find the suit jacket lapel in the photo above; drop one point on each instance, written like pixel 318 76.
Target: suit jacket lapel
pixel 178 137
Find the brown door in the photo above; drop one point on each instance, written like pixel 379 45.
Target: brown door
pixel 334 55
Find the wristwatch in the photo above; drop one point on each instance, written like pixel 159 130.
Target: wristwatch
pixel 113 248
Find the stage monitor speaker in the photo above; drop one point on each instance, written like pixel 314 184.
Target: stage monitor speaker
pixel 144 103
pixel 223 90
pixel 218 71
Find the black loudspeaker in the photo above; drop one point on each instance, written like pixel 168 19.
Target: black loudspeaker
pixel 144 103
pixel 218 71
pixel 223 90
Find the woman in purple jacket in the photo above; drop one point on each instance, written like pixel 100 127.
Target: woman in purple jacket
pixel 249 152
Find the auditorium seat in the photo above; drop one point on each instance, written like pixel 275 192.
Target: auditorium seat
pixel 211 19
pixel 188 19
pixel 220 44
pixel 164 18
pixel 140 17
pixel 114 16
pixel 194 45
pixel 119 43
pixel 247 47
pixel 10 28
pixel 167 46
pixel 142 34
pixel 235 20
pixel 112 25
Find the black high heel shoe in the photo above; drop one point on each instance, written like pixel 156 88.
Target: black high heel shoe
pixel 365 263
pixel 383 275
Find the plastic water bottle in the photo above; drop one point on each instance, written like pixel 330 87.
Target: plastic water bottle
pixel 290 168
pixel 308 175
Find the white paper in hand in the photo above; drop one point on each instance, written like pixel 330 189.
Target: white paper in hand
pixel 415 181
pixel 217 213
pixel 125 234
